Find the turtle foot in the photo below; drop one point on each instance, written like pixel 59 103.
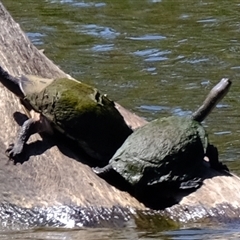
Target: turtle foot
pixel 191 184
pixel 97 170
pixel 28 128
pixel 14 151
pixel 102 171
pixel 114 178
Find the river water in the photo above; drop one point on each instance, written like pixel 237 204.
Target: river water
pixel 155 57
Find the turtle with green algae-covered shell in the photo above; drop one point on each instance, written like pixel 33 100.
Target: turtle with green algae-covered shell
pixel 165 154
pixel 70 107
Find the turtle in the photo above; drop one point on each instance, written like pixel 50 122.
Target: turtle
pixel 166 153
pixel 67 106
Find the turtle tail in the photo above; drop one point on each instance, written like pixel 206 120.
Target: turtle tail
pixel 11 83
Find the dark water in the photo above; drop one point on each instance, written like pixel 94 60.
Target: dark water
pixel 155 57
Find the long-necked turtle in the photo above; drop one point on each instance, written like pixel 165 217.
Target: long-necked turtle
pixel 166 151
pixel 75 109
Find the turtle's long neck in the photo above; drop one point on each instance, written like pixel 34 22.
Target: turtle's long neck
pixel 11 83
pixel 215 95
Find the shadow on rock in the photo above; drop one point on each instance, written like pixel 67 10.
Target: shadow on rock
pixel 157 197
pixel 63 143
pixel 167 194
pixel 35 148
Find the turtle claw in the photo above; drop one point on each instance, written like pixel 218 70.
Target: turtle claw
pixel 97 170
pixel 13 151
pixel 191 184
pixel 102 171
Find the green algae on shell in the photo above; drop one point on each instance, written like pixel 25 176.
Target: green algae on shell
pixel 80 112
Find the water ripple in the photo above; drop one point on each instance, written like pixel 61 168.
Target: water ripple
pixel 79 4
pixel 83 4
pixel 155 1
pixel 99 31
pixel 152 55
pixel 154 108
pixel 36 38
pixel 208 20
pixel 102 47
pixel 177 111
pixel 150 69
pixel 147 37
pixel 195 60
pixel 222 133
pixel 180 112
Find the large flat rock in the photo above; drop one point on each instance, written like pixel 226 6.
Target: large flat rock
pixel 54 176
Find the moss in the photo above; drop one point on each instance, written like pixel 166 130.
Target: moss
pixel 84 114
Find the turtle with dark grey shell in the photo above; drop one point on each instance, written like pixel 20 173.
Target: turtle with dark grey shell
pixel 166 152
pixel 70 107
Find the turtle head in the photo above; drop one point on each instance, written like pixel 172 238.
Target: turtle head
pixel 30 84
pixel 24 85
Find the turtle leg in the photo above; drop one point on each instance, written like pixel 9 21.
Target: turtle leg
pixel 114 178
pixel 102 171
pixel 28 128
pixel 212 154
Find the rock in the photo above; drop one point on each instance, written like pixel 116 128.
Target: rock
pixel 53 175
pixel 55 187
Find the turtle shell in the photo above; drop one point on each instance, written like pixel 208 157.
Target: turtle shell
pixel 165 150
pixel 81 113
